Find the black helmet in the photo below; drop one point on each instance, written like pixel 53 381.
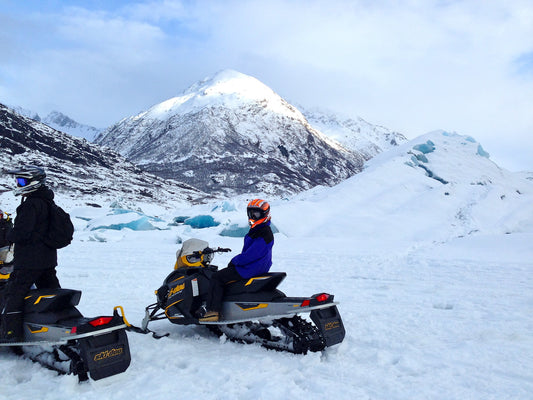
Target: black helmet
pixel 29 178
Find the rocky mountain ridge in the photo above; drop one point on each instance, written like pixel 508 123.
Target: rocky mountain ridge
pixel 79 168
pixel 231 134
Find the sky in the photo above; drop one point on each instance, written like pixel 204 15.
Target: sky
pixel 412 66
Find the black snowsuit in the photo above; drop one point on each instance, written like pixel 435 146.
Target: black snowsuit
pixel 34 262
pixel 5 227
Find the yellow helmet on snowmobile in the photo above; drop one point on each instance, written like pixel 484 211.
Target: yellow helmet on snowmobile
pixel 192 254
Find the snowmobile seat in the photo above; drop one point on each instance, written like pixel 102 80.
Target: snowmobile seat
pixel 262 283
pixel 48 300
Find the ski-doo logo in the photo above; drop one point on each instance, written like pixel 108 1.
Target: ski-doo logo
pixel 176 289
pixel 108 354
pixel 332 325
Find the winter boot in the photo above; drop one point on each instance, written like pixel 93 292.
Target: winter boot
pixel 210 316
pixel 11 328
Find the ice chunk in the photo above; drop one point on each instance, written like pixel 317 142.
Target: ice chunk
pixel 129 219
pixel 226 206
pixel 201 221
pixel 178 220
pixel 140 224
pixel 234 230
pixel 422 158
pixel 425 148
pixel 481 152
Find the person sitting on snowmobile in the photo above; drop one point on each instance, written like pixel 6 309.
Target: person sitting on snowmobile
pixel 34 262
pixel 255 258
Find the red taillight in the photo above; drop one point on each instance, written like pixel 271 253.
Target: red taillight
pixel 74 330
pixel 305 303
pixel 322 297
pixel 100 321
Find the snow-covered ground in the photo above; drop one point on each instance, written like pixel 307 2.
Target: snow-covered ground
pixel 434 280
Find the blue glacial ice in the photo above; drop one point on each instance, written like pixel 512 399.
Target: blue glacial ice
pixel 226 206
pixel 236 230
pixel 201 221
pixel 120 219
pixel 425 148
pixel 178 220
pixel 481 152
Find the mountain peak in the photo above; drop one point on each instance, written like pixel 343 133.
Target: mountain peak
pixel 226 88
pixel 59 119
pixel 230 133
pixel 230 82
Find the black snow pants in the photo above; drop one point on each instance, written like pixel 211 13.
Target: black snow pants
pixel 216 287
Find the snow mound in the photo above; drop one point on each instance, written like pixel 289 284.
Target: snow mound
pixel 436 187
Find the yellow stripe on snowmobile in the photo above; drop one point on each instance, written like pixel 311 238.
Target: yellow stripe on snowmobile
pixel 48 296
pixel 42 330
pixel 257 307
pixel 4 276
pixel 171 306
pixel 259 278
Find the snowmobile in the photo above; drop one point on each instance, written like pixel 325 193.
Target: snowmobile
pixel 59 337
pixel 253 310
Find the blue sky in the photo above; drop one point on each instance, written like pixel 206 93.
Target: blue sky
pixel 412 66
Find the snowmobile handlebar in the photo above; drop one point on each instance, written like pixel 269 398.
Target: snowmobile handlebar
pixel 209 250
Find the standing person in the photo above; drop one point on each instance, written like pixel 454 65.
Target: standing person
pixel 255 258
pixel 34 262
pixel 5 250
pixel 5 227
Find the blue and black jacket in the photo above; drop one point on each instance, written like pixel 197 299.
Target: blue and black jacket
pixel 256 255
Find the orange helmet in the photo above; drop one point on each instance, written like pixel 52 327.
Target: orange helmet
pixel 258 212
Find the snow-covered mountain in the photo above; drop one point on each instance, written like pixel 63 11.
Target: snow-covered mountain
pixel 232 134
pixel 60 122
pixel 63 123
pixel 81 169
pixel 354 133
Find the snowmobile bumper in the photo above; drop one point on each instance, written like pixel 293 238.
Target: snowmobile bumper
pixel 329 323
pixel 106 354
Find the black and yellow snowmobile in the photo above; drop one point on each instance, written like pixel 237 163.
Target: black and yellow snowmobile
pixel 59 337
pixel 253 310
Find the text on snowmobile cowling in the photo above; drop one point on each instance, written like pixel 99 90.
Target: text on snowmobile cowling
pixel 108 354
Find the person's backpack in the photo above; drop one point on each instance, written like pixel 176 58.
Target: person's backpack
pixel 60 229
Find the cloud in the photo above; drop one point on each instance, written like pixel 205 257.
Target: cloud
pixel 413 66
